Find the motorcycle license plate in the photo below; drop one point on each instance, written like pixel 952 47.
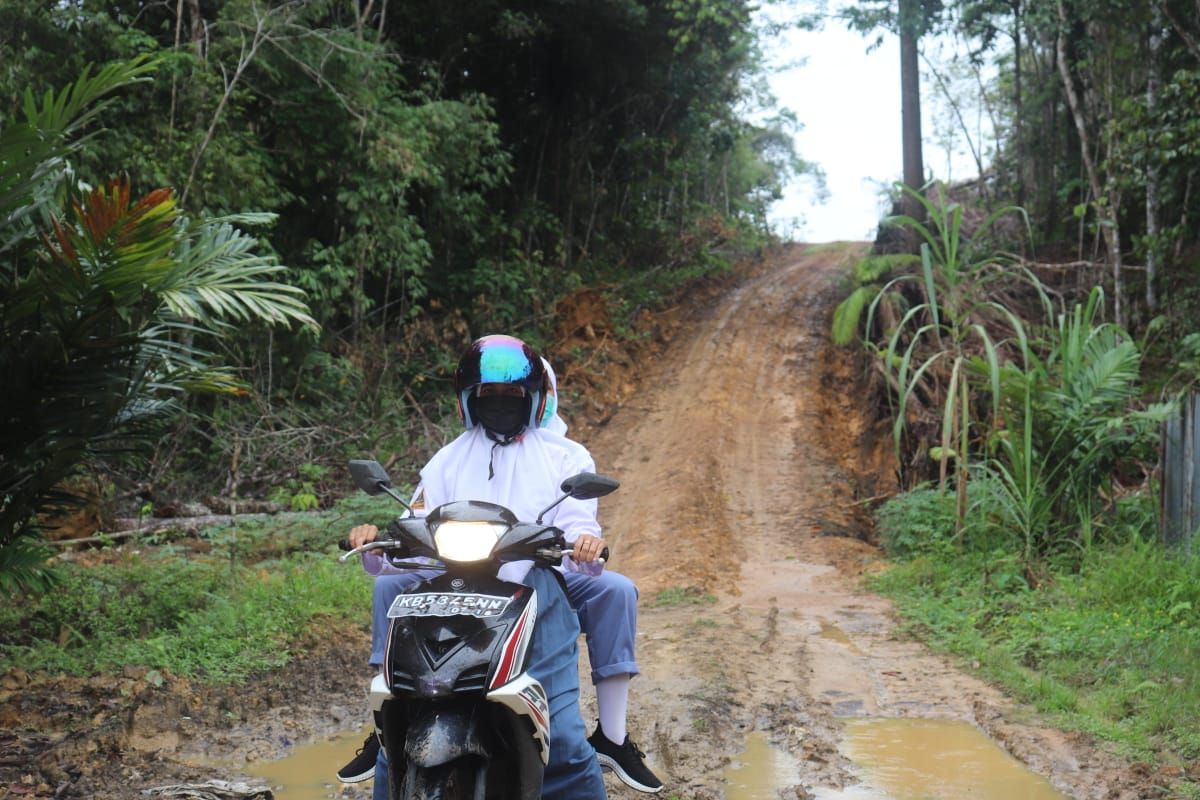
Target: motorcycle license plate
pixel 448 604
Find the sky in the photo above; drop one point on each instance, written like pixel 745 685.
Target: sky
pixel 848 101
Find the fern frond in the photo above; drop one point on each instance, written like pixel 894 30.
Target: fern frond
pixel 847 315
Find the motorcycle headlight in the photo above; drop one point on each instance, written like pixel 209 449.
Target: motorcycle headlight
pixel 467 541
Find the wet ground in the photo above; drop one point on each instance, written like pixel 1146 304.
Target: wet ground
pixel 747 465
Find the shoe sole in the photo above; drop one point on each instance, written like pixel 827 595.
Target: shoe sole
pixel 609 763
pixel 358 778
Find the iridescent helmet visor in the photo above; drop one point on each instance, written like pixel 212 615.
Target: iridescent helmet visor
pixel 500 359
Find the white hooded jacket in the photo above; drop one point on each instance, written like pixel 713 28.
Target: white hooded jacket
pixel 525 476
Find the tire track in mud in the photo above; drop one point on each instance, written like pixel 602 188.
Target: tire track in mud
pixel 737 466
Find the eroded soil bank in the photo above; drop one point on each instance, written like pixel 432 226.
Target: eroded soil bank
pixel 745 459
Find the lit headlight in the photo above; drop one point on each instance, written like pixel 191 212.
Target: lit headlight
pixel 467 541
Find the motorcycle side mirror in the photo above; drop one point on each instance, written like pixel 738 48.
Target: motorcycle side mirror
pixel 372 478
pixel 589 485
pixel 584 486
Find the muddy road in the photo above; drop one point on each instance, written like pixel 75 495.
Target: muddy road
pixel 746 460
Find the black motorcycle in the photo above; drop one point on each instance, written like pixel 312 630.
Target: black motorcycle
pixel 458 715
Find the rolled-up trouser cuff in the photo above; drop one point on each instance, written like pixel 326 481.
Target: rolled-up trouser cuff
pixel 629 668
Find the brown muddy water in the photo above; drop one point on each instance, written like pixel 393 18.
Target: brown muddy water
pixel 927 759
pixel 760 771
pixel 308 773
pixel 897 759
pixel 835 634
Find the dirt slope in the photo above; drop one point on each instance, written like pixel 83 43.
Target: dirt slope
pixel 741 462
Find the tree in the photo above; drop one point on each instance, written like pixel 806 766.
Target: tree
pixel 910 20
pixel 107 309
pixel 910 103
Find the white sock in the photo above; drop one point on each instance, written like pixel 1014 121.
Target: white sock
pixel 612 701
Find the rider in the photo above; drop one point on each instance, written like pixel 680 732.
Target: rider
pixel 506 399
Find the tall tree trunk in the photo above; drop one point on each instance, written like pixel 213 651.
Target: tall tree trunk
pixel 197 28
pixel 1105 211
pixel 174 74
pixel 910 104
pixel 1153 82
pixel 1018 120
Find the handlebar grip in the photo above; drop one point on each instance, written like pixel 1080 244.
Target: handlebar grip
pixel 604 554
pixel 344 544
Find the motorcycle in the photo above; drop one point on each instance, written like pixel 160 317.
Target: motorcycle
pixel 454 704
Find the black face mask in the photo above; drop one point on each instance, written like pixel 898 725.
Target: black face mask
pixel 503 415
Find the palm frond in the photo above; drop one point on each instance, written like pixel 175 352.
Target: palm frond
pixel 33 151
pixel 23 568
pixel 218 276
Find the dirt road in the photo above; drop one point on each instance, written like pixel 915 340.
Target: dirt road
pixel 741 462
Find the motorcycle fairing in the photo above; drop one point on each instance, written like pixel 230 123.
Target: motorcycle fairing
pixel 523 538
pixel 515 652
pixel 434 656
pixel 526 697
pixel 469 511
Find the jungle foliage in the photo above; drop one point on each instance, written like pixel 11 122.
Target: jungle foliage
pixel 1015 344
pixel 108 309
pixel 432 172
pixel 1027 352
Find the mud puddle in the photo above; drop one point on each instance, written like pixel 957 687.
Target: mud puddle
pixel 760 771
pixel 925 759
pixel 898 759
pixel 308 771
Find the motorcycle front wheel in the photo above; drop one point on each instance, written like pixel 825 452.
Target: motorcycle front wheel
pixel 462 779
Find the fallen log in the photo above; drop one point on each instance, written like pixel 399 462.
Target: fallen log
pixel 151 525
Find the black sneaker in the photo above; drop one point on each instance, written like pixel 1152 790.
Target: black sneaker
pixel 626 761
pixel 362 766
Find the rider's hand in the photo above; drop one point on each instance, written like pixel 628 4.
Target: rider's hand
pixel 587 548
pixel 361 534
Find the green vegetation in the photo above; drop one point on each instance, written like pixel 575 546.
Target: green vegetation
pixel 1041 561
pixel 239 602
pixel 425 184
pixel 200 619
pixel 674 596
pixel 108 310
pixel 1106 643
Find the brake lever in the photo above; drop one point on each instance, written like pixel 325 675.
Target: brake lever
pixel 379 544
pixel 558 554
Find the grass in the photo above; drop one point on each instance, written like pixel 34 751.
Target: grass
pixel 682 596
pixel 1107 642
pixel 219 617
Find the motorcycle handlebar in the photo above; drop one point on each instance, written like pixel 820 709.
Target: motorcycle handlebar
pixel 383 544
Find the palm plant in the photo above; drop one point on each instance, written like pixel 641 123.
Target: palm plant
pixel 948 328
pixel 107 308
pixel 1075 424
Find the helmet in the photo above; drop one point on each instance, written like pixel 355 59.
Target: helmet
pixel 501 359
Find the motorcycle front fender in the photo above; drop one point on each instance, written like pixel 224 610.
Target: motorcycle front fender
pixel 428 738
pixel 440 735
